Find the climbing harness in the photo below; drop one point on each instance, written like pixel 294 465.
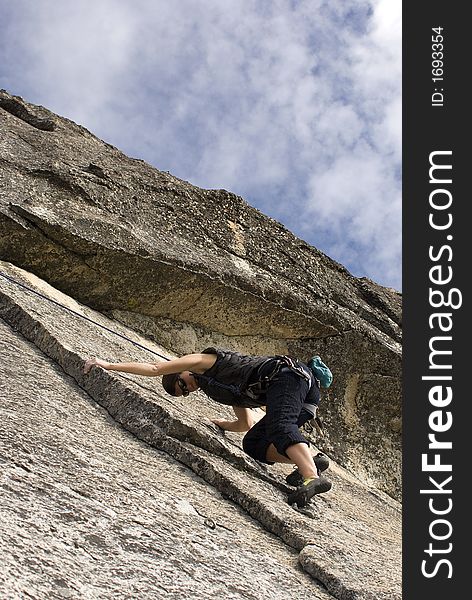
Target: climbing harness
pixel 259 386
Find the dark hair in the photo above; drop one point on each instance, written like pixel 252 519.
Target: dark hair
pixel 169 381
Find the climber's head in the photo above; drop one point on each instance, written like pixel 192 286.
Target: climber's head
pixel 179 384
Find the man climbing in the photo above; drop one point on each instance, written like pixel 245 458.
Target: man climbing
pixel 285 386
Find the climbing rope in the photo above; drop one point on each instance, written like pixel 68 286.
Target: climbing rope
pixel 124 337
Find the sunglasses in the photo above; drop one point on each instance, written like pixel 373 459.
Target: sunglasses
pixel 183 386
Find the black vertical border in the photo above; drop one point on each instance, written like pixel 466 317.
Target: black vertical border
pixel 428 128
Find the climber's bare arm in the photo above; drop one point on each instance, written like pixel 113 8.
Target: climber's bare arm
pixel 196 363
pixel 244 420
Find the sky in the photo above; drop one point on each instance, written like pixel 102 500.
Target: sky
pixel 295 105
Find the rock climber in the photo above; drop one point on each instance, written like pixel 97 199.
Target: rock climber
pixel 285 386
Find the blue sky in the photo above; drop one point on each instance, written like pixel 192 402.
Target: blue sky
pixel 293 105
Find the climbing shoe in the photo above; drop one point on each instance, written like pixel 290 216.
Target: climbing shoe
pixel 309 488
pixel 321 463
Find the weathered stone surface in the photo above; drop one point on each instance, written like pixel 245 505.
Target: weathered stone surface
pixel 100 505
pixel 190 267
pixel 88 511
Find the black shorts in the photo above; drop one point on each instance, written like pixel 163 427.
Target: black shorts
pixel 286 412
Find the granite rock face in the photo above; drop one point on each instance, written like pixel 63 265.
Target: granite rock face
pixel 112 489
pixel 189 267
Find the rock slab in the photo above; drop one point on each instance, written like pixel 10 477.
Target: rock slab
pixel 76 482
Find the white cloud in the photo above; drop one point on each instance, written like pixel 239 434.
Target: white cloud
pixel 294 105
